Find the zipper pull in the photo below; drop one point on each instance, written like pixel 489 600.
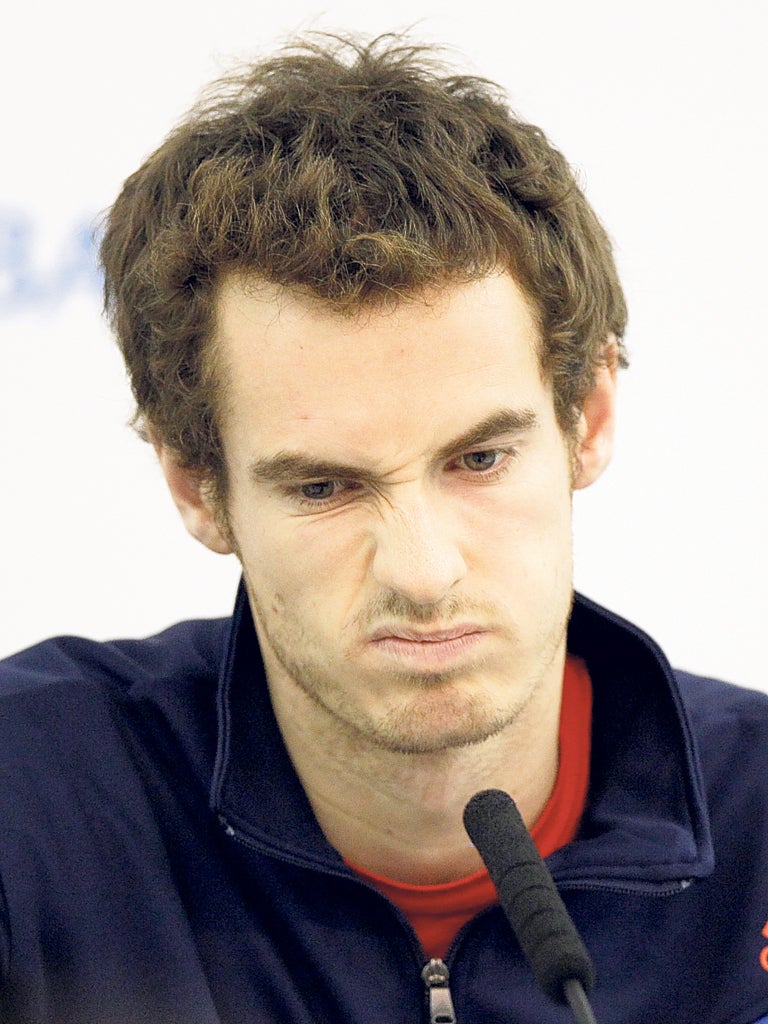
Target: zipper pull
pixel 435 978
pixel 226 826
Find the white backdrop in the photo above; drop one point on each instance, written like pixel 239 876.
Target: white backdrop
pixel 661 107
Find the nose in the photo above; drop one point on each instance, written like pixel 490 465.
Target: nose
pixel 417 553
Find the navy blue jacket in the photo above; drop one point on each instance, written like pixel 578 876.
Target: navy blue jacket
pixel 160 863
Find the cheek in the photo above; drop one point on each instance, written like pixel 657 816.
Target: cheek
pixel 531 511
pixel 523 542
pixel 300 566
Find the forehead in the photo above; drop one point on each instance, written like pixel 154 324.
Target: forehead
pixel 297 372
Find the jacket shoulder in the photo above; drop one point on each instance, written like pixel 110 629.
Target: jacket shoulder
pixel 90 734
pixel 185 651
pixel 63 699
pixel 730 729
pixel 719 710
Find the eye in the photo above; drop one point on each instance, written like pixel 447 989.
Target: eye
pixel 321 495
pixel 482 461
pixel 320 491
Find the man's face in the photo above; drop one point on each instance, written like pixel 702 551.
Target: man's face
pixel 400 498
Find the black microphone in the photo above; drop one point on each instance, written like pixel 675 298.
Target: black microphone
pixel 547 935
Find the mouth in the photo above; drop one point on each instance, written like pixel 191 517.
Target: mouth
pixel 428 649
pixel 431 636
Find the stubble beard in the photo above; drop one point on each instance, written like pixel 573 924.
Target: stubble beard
pixel 441 715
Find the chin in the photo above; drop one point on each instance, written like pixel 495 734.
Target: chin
pixel 439 725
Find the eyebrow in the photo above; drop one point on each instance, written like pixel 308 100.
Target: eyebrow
pixel 286 467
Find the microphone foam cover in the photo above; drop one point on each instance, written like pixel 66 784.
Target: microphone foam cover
pixel 539 919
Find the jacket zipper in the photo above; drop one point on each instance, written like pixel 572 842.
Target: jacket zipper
pixel 436 977
pixel 435 974
pixel 628 888
pixel 563 885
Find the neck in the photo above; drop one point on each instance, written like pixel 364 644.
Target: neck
pixel 400 815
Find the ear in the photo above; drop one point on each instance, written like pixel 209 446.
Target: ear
pixel 192 499
pixel 594 432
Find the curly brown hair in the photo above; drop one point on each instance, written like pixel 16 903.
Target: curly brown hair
pixel 357 172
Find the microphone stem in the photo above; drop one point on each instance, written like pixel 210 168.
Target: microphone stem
pixel 578 1002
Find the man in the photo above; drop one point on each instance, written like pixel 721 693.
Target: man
pixel 373 330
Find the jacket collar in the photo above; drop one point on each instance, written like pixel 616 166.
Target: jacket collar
pixel 645 824
pixel 646 821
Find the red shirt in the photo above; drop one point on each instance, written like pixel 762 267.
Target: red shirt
pixel 437 912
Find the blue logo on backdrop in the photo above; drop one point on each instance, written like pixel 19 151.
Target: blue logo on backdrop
pixel 28 282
